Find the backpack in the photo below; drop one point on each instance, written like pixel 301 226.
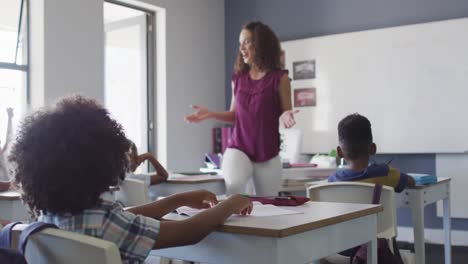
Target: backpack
pixel 384 254
pixel 12 256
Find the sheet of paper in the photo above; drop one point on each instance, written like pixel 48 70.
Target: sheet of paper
pixel 195 178
pixel 10 194
pixel 259 210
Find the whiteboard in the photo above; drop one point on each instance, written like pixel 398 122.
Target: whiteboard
pixel 410 81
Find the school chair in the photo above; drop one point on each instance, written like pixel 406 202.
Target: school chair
pixel 54 246
pixel 12 207
pixel 358 192
pixel 132 192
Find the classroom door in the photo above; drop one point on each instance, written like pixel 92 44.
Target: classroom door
pixel 128 90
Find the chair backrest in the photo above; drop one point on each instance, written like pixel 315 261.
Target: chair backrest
pixel 58 246
pixel 357 192
pixel 132 192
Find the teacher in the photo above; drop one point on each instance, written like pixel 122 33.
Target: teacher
pixel 261 97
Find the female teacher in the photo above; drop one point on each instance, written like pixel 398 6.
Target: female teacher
pixel 261 97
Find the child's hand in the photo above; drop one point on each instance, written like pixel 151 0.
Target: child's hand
pixel 242 205
pixel 163 178
pixel 200 199
pixel 146 156
pixel 157 179
pixel 142 158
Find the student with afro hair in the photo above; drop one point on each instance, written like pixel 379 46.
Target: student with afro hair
pixel 67 156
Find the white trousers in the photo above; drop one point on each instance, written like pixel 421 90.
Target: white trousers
pixel 238 169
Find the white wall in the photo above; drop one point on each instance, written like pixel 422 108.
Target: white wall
pixel 195 62
pixel 67 55
pixel 67 49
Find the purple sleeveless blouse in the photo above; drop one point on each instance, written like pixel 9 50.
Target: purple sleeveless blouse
pixel 257 111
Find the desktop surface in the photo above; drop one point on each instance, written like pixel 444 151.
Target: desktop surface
pixel 314 215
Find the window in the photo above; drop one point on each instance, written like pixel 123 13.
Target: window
pixel 128 74
pixel 13 60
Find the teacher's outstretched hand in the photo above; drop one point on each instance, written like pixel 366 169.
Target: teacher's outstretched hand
pixel 287 118
pixel 201 113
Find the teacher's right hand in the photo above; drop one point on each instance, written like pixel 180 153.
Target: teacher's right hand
pixel 201 113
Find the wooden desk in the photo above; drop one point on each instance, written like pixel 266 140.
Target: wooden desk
pixel 313 173
pixel 12 208
pixel 213 183
pixel 321 230
pixel 416 199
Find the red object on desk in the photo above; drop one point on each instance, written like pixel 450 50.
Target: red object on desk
pixel 303 165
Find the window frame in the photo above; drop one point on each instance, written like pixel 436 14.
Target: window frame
pixel 22 67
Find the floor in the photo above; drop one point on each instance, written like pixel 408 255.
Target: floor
pixel 434 254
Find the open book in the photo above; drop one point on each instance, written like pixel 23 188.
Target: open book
pixel 259 210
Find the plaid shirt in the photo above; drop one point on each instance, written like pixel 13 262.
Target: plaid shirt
pixel 134 235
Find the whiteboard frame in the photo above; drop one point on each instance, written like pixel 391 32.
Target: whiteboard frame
pixel 414 62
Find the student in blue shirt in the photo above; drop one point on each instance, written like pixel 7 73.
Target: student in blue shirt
pixel 356 146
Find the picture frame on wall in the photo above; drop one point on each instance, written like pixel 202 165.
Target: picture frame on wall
pixel 303 70
pixel 305 97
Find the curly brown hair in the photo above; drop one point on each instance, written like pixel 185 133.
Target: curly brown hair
pixel 267 49
pixel 65 157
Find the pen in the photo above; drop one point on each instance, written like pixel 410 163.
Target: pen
pixel 182 214
pixel 390 161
